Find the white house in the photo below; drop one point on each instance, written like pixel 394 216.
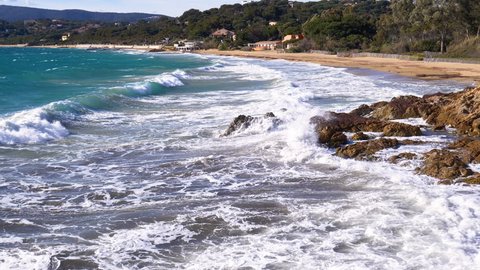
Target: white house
pixel 186 46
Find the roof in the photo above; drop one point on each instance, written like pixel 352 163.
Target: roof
pixel 223 32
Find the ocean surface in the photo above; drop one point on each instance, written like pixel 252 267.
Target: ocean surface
pixel 115 160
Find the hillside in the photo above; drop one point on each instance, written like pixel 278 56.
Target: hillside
pixel 14 13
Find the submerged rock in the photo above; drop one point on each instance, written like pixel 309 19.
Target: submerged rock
pixel 444 164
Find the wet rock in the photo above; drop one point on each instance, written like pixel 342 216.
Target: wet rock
pixel 270 115
pixel 401 130
pixel 337 139
pixel 402 107
pixel 439 127
pixel 331 138
pixel 363 110
pixel 398 108
pixel 245 121
pixel 460 110
pixel 339 122
pixel 360 136
pixel 474 180
pixel 445 165
pixel 365 150
pixel 402 156
pixel 468 149
pixel 331 123
pixel 240 122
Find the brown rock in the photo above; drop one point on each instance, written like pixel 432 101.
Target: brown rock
pixel 339 121
pixel 337 139
pixel 331 123
pixel 360 136
pixel 439 127
pixel 402 156
pixel 363 110
pixel 444 165
pixel 400 108
pixel 331 138
pixel 468 149
pixel 401 130
pixel 460 110
pixel 474 180
pixel 365 150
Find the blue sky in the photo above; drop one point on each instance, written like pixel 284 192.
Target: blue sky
pixel 167 7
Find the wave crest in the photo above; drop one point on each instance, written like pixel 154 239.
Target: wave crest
pixel 30 127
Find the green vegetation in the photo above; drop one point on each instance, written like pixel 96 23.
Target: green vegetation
pixel 451 27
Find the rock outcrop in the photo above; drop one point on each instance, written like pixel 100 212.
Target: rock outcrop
pixel 445 165
pixel 332 123
pixel 441 111
pixel 402 156
pixel 468 149
pixel 460 110
pixel 360 136
pixel 365 150
pixel 245 121
pixel 398 108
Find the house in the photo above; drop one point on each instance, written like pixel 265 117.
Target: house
pixel 224 33
pixel 265 45
pixel 292 38
pixel 186 46
pixel 289 40
pixel 65 37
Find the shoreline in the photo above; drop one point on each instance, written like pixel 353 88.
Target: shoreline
pixel 461 72
pixel 90 46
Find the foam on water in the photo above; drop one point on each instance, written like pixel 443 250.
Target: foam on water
pixel 30 127
pixel 154 185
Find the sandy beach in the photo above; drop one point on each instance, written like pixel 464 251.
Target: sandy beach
pixel 469 73
pixel 462 72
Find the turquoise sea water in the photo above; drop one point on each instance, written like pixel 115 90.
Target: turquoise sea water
pixel 31 78
pixel 116 160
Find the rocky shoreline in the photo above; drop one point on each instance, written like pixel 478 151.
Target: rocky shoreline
pixel 347 133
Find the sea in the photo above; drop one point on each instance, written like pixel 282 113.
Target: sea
pixel 117 160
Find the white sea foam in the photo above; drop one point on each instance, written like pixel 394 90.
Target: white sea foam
pixel 30 127
pixel 323 212
pixel 116 247
pixel 20 259
pixel 168 79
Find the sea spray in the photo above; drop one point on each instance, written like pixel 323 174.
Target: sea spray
pixel 151 167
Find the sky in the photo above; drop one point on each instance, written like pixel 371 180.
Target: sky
pixel 165 7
